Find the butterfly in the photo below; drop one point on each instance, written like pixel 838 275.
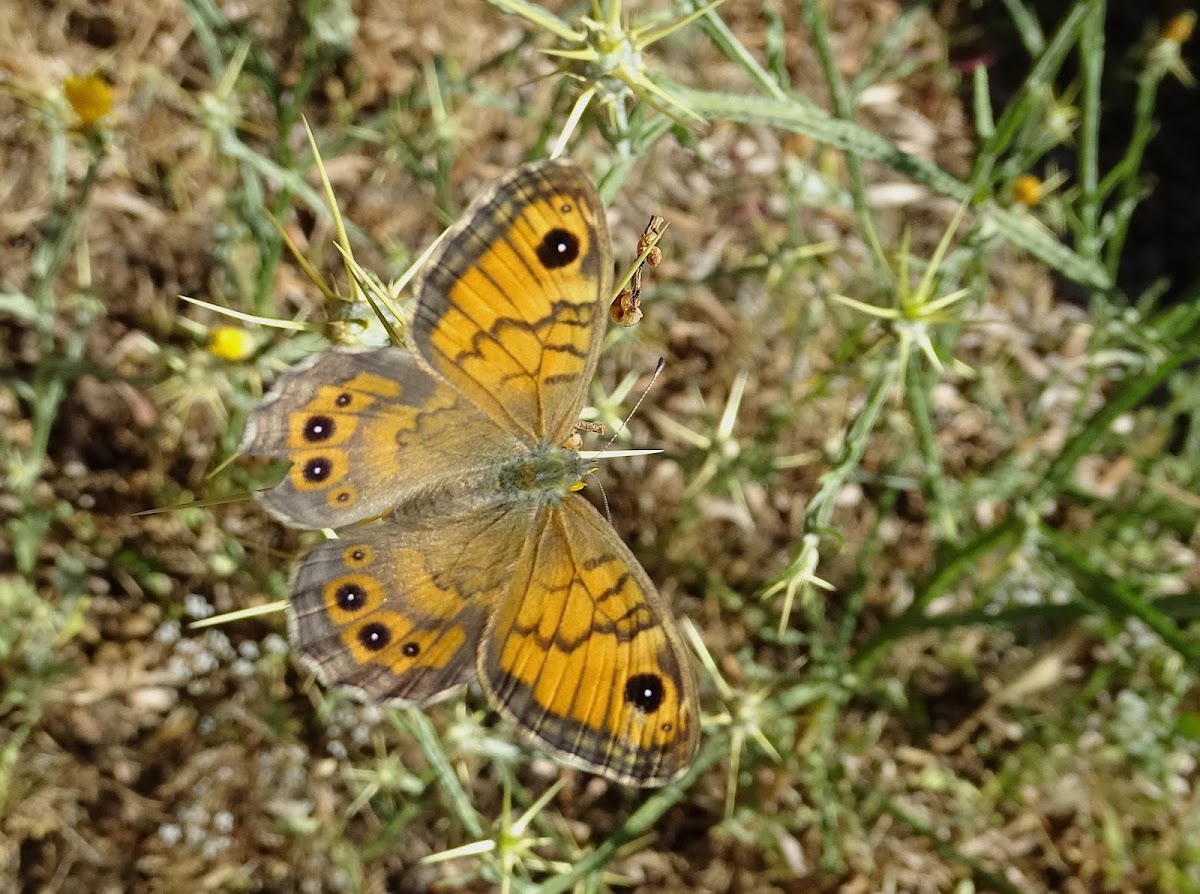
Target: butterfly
pixel 483 561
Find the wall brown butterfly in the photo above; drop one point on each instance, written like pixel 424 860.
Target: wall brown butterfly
pixel 486 564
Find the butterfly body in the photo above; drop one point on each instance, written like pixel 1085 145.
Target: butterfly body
pixel 545 474
pixel 486 563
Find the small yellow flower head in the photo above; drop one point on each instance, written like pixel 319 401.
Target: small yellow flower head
pixel 1180 28
pixel 231 343
pixel 1166 55
pixel 1027 190
pixel 89 96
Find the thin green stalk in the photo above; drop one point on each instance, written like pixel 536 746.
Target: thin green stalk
pixel 985 121
pixel 1181 323
pixel 1180 608
pixel 1037 84
pixel 419 725
pixel 1132 393
pixel 1091 51
pixel 48 385
pixel 50 256
pixel 801 117
pixel 719 33
pixel 272 171
pixel 1002 535
pixel 888 46
pixel 820 508
pixel 544 19
pixel 1126 173
pixel 917 391
pixel 1032 36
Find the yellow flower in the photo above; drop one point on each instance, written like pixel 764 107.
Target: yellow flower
pixel 231 343
pixel 1180 28
pixel 89 96
pixel 1030 192
pixel 1166 56
pixel 1027 190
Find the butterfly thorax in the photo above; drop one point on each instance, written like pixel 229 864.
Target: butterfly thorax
pixel 544 474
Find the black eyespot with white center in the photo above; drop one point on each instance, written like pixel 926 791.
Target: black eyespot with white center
pixel 350 597
pixel 645 692
pixel 410 650
pixel 558 248
pixel 343 399
pixel 374 637
pixel 318 428
pixel 317 469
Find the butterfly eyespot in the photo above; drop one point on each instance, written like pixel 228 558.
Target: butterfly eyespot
pixel 343 399
pixel 565 208
pixel 410 650
pixel 374 637
pixel 317 469
pixel 358 556
pixel 318 428
pixel 350 597
pixel 645 692
pixel 558 248
pixel 666 727
pixel 343 497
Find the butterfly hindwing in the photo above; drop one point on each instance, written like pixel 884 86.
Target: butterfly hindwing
pixel 584 656
pixel 395 611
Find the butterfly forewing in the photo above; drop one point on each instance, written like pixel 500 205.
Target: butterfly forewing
pixel 366 432
pixel 510 307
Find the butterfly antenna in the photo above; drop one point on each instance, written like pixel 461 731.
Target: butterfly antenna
pixel 625 422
